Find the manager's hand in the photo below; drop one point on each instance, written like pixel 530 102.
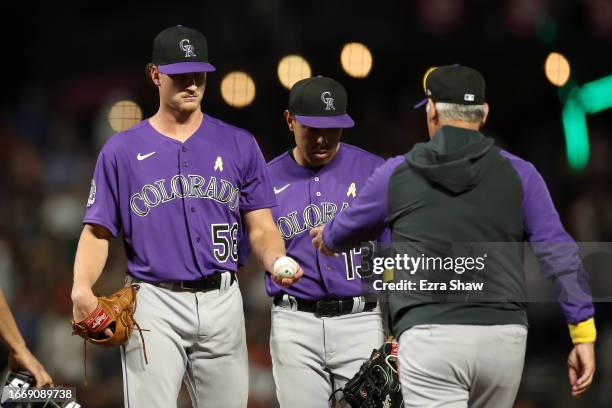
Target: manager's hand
pixel 581 367
pixel 317 241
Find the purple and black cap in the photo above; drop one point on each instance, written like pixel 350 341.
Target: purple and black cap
pixel 320 102
pixel 453 84
pixel 181 50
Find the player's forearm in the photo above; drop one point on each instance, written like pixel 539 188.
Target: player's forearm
pixel 90 259
pixel 266 242
pixel 267 246
pixel 9 333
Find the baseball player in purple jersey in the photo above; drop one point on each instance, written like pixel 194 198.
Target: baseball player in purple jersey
pixel 322 327
pixel 180 185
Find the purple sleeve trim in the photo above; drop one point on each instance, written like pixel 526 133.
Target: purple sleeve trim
pixel 259 206
pixel 366 218
pixel 555 248
pixel 97 221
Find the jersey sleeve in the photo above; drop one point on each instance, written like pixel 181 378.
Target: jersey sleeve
pixel 103 202
pixel 256 191
pixel 367 216
pixel 556 250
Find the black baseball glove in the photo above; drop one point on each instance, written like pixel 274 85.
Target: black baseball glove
pixel 376 385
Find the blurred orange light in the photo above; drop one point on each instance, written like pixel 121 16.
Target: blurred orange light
pixel 291 69
pixel 356 60
pixel 123 115
pixel 557 69
pixel 238 89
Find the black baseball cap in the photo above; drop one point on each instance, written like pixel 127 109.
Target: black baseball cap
pixel 180 50
pixel 320 102
pixel 453 84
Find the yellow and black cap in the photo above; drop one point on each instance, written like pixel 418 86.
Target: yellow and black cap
pixel 453 84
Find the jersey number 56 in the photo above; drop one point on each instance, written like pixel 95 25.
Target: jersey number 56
pixel 225 239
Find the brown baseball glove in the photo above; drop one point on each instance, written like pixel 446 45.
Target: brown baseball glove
pixel 115 312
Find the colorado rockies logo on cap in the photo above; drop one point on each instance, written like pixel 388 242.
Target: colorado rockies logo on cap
pixel 187 47
pixel 174 51
pixel 328 100
pixel 305 103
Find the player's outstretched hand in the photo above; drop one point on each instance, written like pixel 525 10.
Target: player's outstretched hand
pixel 84 303
pixel 23 359
pixel 581 367
pixel 317 241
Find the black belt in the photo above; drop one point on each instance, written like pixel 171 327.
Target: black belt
pixel 326 307
pixel 211 282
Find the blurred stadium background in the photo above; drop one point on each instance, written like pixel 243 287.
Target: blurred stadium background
pixel 73 74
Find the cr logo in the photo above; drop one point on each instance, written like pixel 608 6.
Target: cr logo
pixel 188 48
pixel 328 100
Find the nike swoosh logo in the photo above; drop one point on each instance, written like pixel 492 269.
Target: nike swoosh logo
pixel 144 156
pixel 280 190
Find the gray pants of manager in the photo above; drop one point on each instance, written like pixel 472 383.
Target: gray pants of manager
pixel 458 366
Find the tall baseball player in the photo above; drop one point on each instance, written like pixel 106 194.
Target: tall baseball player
pixel 322 327
pixel 180 185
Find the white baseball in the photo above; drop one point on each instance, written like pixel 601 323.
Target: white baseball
pixel 285 267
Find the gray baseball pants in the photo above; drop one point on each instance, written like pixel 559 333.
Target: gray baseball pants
pixel 195 337
pixel 459 366
pixel 312 356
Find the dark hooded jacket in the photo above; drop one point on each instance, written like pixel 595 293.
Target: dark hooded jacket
pixel 458 182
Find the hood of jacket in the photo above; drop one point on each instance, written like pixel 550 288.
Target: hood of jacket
pixel 451 158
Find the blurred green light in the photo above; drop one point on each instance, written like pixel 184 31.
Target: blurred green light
pixel 597 95
pixel 591 98
pixel 576 133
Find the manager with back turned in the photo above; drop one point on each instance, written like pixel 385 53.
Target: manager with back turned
pixel 460 188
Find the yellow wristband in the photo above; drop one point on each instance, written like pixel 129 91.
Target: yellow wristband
pixel 583 332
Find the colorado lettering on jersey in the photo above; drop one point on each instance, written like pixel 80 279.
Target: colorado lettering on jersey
pixel 312 216
pixel 179 186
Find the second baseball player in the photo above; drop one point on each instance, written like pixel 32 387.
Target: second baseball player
pixel 322 327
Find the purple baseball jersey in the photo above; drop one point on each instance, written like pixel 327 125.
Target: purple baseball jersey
pixel 308 198
pixel 179 203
